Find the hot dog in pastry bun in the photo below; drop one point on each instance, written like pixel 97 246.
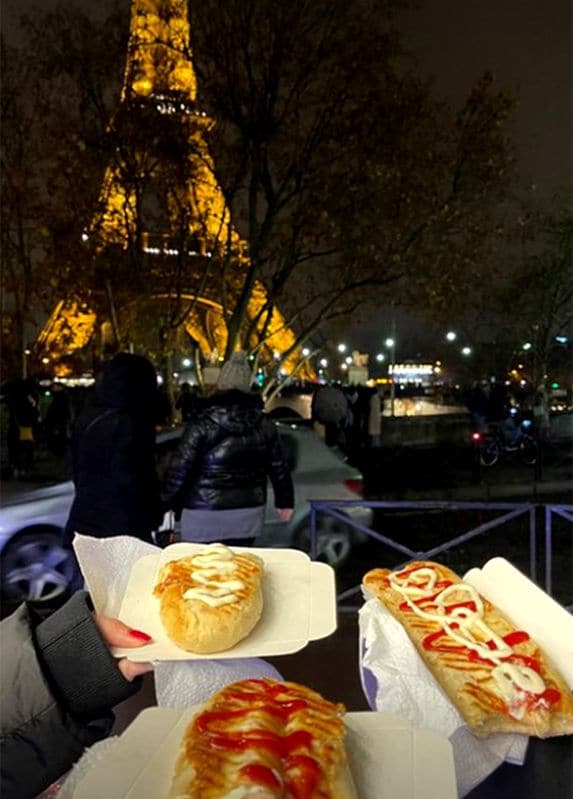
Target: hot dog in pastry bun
pixel 496 675
pixel 212 600
pixel 263 739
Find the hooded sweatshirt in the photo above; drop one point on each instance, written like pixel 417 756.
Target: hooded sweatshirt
pixel 117 489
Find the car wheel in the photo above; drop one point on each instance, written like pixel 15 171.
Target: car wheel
pixel 333 540
pixel 36 567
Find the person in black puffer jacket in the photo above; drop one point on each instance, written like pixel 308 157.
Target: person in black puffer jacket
pixel 218 478
pixel 113 443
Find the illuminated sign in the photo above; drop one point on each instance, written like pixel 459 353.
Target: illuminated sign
pixel 410 369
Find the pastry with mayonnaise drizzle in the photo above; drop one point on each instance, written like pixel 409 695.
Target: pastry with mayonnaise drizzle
pixel 263 739
pixel 210 601
pixel 496 675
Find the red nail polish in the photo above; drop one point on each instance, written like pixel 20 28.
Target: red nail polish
pixel 140 635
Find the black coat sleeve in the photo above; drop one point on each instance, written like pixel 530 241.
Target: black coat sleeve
pixel 58 682
pixel 277 468
pixel 183 463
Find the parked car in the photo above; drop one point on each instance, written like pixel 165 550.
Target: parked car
pixel 35 565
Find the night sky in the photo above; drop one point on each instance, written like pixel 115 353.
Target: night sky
pixel 525 43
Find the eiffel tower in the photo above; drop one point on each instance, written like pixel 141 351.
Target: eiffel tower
pixel 159 94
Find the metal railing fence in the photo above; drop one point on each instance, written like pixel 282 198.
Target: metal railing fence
pixel 508 512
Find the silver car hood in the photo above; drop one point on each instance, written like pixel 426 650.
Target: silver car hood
pixel 29 493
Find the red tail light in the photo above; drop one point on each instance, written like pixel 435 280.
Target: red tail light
pixel 476 436
pixel 356 485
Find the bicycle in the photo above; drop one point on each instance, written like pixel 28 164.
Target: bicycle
pixel 493 444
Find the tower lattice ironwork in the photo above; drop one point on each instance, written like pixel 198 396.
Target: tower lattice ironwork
pixel 160 198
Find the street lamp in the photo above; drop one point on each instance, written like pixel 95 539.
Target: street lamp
pixel 305 352
pixel 380 357
pixel 342 348
pixel 451 335
pixel 466 351
pixel 391 344
pixel 527 346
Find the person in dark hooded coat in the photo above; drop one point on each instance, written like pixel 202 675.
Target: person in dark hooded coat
pixel 218 478
pixel 115 478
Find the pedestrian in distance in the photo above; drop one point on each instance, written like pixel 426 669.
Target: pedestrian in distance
pixel 117 490
pixel 541 417
pixel 56 421
pixel 330 407
pixel 22 433
pixel 187 401
pixel 218 477
pixel 478 406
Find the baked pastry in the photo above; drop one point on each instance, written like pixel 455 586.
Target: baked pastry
pixel 210 601
pixel 263 739
pixel 496 675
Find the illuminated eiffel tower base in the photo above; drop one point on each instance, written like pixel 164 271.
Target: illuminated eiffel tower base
pixel 158 108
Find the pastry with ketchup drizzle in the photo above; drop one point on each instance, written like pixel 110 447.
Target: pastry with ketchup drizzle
pixel 496 675
pixel 264 739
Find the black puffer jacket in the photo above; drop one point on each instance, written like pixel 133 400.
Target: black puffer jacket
pixel 226 453
pixel 117 488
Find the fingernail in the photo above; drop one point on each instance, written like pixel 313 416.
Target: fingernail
pixel 141 636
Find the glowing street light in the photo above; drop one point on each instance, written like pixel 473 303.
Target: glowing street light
pixel 380 357
pixel 348 359
pixel 341 348
pixel 451 335
pixel 391 344
pixel 527 346
pixel 305 352
pixel 466 351
pixel 186 362
pixel 323 362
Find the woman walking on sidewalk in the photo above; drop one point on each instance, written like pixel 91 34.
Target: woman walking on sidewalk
pixel 218 479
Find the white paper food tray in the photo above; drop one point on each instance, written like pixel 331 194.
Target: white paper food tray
pixel 299 605
pixel 529 608
pixel 388 759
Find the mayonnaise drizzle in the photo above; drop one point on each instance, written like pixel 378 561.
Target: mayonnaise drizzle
pixel 511 679
pixel 209 566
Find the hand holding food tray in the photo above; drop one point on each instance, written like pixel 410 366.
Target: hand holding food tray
pixel 495 674
pixel 291 599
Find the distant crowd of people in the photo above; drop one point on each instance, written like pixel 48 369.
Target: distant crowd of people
pixel 351 416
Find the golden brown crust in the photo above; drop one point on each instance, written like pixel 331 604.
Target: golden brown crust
pixel 482 687
pixel 264 739
pixel 197 626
